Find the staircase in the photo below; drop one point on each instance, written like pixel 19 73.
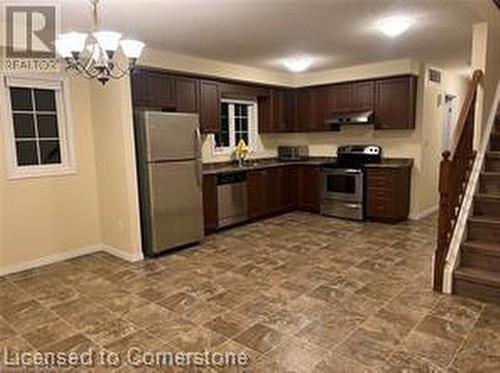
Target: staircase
pixel 478 275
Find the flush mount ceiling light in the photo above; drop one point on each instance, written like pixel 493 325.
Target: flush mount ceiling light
pixel 298 64
pixel 394 26
pixel 93 56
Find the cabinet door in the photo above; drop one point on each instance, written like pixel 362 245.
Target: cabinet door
pixel 209 106
pixel 341 97
pixel 186 95
pixel 161 90
pixel 309 188
pixel 140 88
pixel 278 109
pixel 395 100
pixel 210 212
pixel 256 194
pixel 265 114
pixel 306 118
pixel 388 193
pixel 289 187
pixel 363 95
pixel 290 107
pixel 322 107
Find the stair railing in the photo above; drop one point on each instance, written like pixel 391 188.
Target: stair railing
pixel 452 259
pixel 455 169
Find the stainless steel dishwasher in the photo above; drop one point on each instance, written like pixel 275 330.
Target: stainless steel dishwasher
pixel 232 198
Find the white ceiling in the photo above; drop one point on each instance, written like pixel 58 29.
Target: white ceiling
pixel 261 33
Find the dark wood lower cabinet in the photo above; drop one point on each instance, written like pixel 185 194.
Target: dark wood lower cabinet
pixel 309 188
pixel 275 190
pixel 210 213
pixel 388 193
pixel 271 191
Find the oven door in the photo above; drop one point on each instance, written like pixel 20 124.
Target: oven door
pixel 343 184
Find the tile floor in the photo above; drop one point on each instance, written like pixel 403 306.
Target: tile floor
pixel 298 293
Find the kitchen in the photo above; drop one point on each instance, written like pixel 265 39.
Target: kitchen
pixel 358 184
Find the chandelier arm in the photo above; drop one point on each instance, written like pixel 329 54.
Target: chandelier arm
pixel 121 72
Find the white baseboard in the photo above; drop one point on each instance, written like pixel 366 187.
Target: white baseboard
pixel 51 259
pixel 423 214
pixel 129 257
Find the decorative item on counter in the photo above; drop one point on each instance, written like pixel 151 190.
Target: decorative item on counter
pixel 242 150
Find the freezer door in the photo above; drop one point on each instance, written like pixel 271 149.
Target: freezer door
pixel 176 204
pixel 171 136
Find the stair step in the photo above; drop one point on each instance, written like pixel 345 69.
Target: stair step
pixel 484 228
pixel 495 141
pixel 482 255
pixel 487 205
pixel 490 183
pixel 492 162
pixel 477 283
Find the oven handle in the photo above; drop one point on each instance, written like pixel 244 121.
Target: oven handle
pixel 344 171
pixel 352 171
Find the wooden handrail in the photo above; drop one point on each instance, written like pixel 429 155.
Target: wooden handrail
pixel 466 108
pixel 455 169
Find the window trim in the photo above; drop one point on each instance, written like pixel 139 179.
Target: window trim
pixel 253 126
pixel 65 127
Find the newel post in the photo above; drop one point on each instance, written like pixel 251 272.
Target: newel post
pixel 445 208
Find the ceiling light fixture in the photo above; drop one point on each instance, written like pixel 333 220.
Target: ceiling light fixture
pixel 93 56
pixel 394 26
pixel 298 64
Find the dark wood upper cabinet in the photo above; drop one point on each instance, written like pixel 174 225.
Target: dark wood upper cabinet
pixel 341 97
pixel 322 107
pixel 242 91
pixel 153 89
pixel 363 95
pixel 209 106
pixel 395 101
pixel 161 90
pixel 306 114
pixel 186 95
pixel 210 210
pixel 140 88
pixel 277 111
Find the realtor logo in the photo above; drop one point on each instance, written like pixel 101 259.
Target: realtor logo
pixel 31 31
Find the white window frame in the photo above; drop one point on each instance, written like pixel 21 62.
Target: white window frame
pixel 252 126
pixel 64 123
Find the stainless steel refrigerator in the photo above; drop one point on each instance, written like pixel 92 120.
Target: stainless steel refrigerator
pixel 170 180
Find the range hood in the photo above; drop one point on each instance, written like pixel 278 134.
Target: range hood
pixel 350 117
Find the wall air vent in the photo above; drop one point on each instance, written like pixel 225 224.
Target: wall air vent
pixel 435 76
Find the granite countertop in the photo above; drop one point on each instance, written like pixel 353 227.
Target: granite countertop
pixel 256 164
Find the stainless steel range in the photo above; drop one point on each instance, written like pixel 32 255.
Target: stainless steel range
pixel 343 182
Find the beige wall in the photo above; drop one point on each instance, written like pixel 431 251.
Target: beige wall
pixel 196 65
pixel 116 171
pixel 47 216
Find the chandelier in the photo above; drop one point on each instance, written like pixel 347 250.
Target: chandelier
pixel 94 56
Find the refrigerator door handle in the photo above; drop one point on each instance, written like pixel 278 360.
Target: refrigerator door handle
pixel 199 172
pixel 197 136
